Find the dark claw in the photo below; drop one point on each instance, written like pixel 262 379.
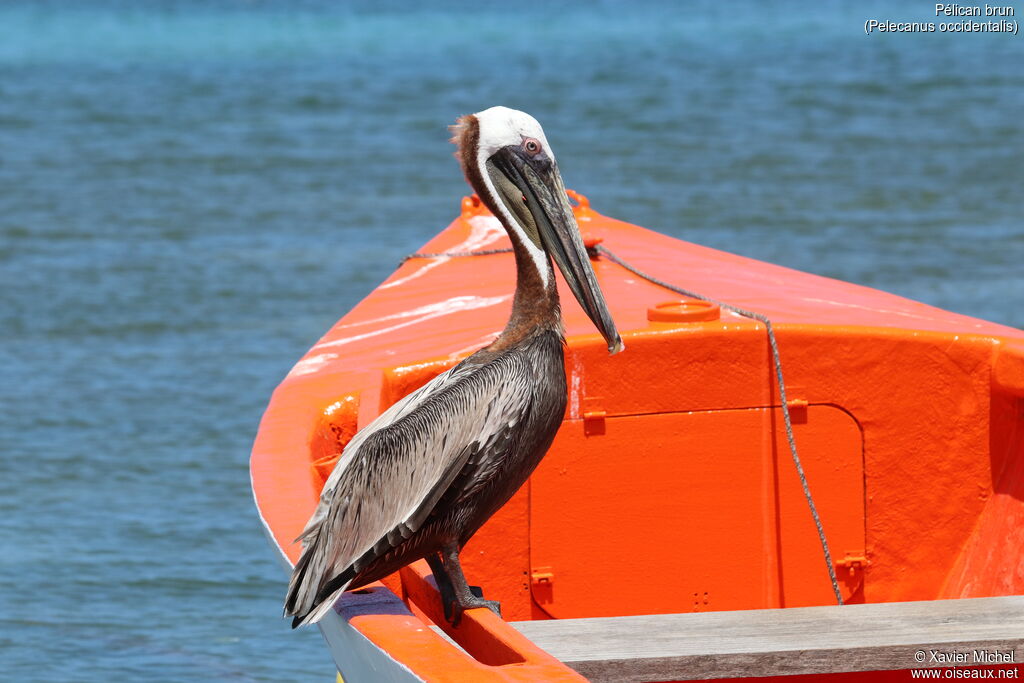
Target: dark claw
pixel 494 606
pixel 472 603
pixel 459 595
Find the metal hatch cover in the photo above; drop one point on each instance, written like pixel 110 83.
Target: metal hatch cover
pixel 696 511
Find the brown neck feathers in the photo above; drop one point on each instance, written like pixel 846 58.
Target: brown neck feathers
pixel 535 307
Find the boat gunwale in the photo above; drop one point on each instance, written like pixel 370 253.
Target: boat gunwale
pixel 294 404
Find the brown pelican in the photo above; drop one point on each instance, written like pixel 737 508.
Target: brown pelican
pixel 418 481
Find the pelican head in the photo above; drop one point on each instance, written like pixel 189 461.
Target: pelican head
pixel 509 163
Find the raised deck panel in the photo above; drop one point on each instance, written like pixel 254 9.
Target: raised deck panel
pixel 694 512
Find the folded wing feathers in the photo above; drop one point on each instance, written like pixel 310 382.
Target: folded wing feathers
pixel 398 410
pixel 405 460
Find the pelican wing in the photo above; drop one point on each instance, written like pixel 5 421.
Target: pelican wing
pixel 395 470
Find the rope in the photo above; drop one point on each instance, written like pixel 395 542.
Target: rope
pixel 776 361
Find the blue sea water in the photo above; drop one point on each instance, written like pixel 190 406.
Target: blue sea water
pixel 192 192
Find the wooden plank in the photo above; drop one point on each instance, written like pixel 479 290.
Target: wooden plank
pixel 802 640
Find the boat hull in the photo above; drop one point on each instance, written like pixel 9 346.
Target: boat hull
pixel 670 487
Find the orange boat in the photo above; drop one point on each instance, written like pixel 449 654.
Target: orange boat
pixel 670 490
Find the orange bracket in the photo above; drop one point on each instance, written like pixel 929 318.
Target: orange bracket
pixel 484 635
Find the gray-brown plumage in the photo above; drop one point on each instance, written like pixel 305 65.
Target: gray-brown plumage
pixel 420 480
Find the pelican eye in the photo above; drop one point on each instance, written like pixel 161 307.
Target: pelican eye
pixel 532 146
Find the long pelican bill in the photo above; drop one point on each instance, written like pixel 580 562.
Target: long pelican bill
pixel 420 479
pixel 531 187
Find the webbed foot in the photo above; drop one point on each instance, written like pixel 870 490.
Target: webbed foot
pixel 456 595
pixel 453 611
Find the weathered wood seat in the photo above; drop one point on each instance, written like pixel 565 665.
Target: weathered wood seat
pixel 865 637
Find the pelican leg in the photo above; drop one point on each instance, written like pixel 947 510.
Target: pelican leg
pixel 465 597
pixel 444 584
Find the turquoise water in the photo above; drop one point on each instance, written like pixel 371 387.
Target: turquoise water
pixel 191 193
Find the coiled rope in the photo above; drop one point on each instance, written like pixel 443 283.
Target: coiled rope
pixel 776 361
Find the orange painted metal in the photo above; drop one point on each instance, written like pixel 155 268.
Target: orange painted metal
pixel 670 486
pixel 717 492
pixel 491 649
